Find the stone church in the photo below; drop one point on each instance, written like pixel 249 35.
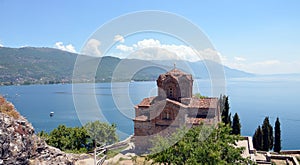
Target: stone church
pixel 174 106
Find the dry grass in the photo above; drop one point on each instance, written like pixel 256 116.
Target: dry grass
pixel 8 108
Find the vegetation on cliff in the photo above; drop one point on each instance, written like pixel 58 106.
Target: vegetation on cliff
pixel 8 108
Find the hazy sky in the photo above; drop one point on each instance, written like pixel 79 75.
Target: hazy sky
pixel 254 36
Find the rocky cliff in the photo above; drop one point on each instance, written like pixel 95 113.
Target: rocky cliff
pixel 20 145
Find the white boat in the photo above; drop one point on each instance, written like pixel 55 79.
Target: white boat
pixel 51 114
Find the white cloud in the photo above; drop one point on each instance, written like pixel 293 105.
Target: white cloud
pixel 1 45
pixel 271 66
pixel 170 51
pixel 239 59
pixel 147 43
pixel 61 46
pixel 92 48
pixel 210 54
pixel 125 48
pixel 119 38
pixel 153 53
pixel 152 49
pixel 267 62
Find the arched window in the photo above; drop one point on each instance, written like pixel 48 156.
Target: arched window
pixel 166 116
pixel 170 92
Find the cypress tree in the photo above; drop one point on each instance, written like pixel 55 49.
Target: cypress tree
pixel 267 130
pixel 254 139
pixel 271 137
pixel 224 107
pixel 258 139
pixel 277 144
pixel 229 120
pixel 236 126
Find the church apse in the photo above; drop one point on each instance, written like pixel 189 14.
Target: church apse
pixel 175 85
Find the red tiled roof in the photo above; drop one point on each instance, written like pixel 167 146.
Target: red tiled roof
pixel 196 121
pixel 203 103
pixel 192 120
pixel 141 118
pixel 146 102
pixel 176 72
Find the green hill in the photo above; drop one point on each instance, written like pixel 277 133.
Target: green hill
pixel 35 65
pixel 31 65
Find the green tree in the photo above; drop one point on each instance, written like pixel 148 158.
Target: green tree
pixel 78 138
pixel 198 95
pixel 267 130
pixel 67 138
pixel 277 143
pixel 258 139
pixel 224 108
pixel 199 145
pixel 103 133
pixel 59 137
pixel 236 125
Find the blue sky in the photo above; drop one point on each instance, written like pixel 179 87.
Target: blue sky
pixel 255 36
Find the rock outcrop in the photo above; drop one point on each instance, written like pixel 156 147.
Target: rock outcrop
pixel 20 145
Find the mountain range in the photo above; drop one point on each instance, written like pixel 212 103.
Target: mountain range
pixel 31 65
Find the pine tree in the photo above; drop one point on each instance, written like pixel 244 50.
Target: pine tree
pixel 236 126
pixel 258 139
pixel 267 130
pixel 277 144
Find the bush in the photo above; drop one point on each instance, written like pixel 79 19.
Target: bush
pixel 77 139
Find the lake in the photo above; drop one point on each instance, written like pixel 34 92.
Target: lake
pixel 251 98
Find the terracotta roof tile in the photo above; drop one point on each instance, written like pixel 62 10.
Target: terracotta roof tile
pixel 146 102
pixel 196 121
pixel 141 118
pixel 176 72
pixel 203 103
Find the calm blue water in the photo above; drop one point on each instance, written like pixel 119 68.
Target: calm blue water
pixel 252 98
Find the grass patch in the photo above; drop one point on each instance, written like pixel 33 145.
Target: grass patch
pixel 81 151
pixel 114 152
